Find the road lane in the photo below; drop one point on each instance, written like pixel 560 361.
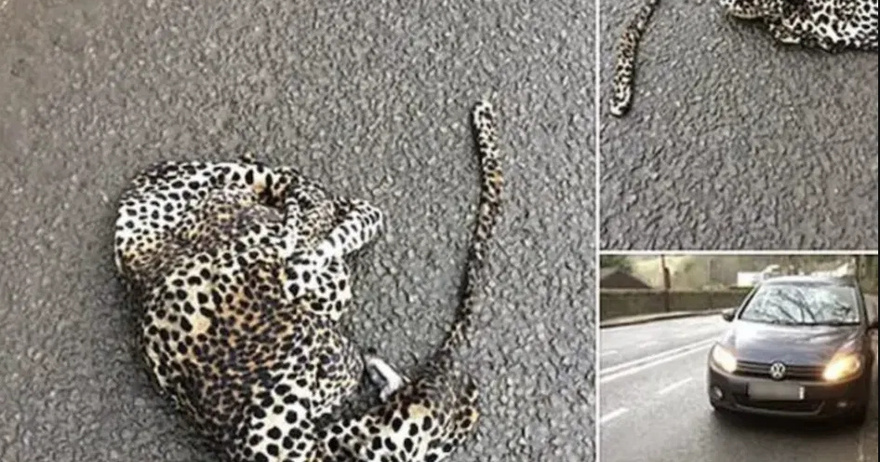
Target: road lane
pixel 626 369
pixel 661 413
pixel 620 345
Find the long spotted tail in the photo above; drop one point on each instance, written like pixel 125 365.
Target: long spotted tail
pixel 428 418
pixel 627 49
pixel 486 135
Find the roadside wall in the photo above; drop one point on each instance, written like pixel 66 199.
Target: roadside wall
pixel 614 303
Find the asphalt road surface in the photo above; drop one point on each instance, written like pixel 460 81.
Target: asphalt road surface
pixel 735 142
pixel 654 406
pixel 372 98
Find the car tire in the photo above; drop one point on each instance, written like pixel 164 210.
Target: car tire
pixel 858 416
pixel 720 411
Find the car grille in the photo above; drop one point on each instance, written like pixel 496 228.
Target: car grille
pixel 805 407
pixel 753 369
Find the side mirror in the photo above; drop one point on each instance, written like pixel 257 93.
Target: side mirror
pixel 872 324
pixel 728 314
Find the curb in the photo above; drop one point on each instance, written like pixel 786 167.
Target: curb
pixel 629 321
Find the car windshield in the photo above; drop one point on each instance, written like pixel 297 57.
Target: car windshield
pixel 805 305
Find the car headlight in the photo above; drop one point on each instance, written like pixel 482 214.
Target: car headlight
pixel 723 358
pixel 842 366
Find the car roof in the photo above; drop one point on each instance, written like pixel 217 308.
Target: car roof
pixel 824 280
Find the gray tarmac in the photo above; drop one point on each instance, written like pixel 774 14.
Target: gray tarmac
pixel 735 142
pixel 368 96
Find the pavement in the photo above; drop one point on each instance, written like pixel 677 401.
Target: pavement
pixel 654 317
pixel 735 142
pixel 652 384
pixel 367 96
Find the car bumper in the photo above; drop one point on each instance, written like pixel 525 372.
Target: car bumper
pixel 820 400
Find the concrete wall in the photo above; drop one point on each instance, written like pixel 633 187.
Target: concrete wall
pixel 614 303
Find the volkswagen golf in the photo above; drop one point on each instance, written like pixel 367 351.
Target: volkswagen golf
pixel 797 346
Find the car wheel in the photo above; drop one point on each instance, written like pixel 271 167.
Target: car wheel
pixel 720 411
pixel 858 416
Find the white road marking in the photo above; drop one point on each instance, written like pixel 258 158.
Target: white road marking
pixel 612 415
pixel 647 344
pixel 675 385
pixel 609 353
pixel 635 362
pixel 631 367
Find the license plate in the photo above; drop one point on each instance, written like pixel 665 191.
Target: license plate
pixel 776 392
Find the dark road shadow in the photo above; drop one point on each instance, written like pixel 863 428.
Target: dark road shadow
pixel 777 426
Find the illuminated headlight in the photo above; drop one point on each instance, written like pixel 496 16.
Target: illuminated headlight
pixel 723 358
pixel 842 366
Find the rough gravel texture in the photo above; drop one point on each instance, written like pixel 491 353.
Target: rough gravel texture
pixel 367 96
pixel 735 142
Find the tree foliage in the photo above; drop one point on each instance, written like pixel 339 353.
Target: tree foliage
pixel 620 262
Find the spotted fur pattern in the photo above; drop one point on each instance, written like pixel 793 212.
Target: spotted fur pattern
pixel 624 65
pixel 830 25
pixel 431 416
pixel 241 273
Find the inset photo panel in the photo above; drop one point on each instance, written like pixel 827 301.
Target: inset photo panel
pixel 738 125
pixel 737 357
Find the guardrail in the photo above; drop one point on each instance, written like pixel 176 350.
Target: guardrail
pixel 615 303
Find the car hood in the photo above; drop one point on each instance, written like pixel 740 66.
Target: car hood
pixel 802 345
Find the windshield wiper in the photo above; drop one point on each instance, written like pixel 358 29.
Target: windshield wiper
pixel 775 322
pixel 835 323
